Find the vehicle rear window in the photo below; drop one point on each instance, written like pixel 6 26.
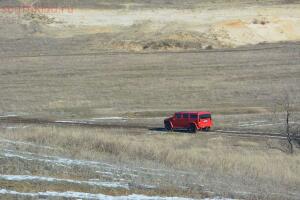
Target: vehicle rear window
pixel 186 116
pixel 193 116
pixel 205 116
pixel 178 115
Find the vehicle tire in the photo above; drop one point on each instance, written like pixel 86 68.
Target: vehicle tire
pixel 168 126
pixel 193 128
pixel 206 129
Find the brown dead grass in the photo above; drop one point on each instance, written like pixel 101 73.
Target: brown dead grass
pixel 112 85
pixel 242 164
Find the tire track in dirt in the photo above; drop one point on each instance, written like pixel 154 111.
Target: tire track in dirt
pixel 227 50
pixel 39 121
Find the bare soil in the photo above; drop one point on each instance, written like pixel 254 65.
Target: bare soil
pixel 133 63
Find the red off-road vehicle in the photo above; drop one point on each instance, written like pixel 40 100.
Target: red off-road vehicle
pixel 192 121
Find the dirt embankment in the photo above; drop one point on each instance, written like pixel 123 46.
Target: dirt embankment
pixel 147 29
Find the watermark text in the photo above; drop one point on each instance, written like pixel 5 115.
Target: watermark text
pixel 35 9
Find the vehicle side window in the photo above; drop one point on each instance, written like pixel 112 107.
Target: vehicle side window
pixel 193 116
pixel 205 116
pixel 178 115
pixel 185 116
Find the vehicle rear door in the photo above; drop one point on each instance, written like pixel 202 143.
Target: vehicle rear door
pixel 205 120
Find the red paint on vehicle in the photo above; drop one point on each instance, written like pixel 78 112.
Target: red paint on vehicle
pixel 189 120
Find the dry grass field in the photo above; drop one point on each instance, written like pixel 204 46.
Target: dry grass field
pixel 133 63
pixel 226 166
pixel 79 86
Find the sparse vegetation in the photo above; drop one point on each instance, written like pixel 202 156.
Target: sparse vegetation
pixel 262 21
pixel 239 82
pixel 240 164
pixel 132 63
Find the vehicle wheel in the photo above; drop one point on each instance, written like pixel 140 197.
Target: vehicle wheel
pixel 206 129
pixel 193 128
pixel 168 126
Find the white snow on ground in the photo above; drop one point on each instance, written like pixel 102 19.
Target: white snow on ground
pixel 74 122
pixel 54 160
pixel 105 173
pixel 258 124
pixel 24 143
pixel 218 198
pixel 294 122
pixel 16 127
pixel 261 123
pixel 105 168
pixel 51 159
pixel 110 118
pixel 81 195
pixel 11 127
pixel 165 170
pixel 5 116
pixel 56 180
pixel 117 173
pixel 64 162
pixel 97 164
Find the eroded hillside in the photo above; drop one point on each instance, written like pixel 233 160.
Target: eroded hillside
pixel 138 27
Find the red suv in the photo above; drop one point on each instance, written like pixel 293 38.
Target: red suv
pixel 192 121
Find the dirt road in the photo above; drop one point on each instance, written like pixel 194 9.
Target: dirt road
pixel 122 67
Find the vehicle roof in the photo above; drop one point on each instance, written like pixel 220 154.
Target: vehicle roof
pixel 194 112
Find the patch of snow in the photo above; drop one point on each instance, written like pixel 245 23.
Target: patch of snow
pixel 56 180
pixel 60 160
pixel 218 198
pixel 113 171
pixel 11 155
pixel 81 195
pixel 257 124
pixel 165 170
pixel 105 173
pixel 67 162
pixel 247 125
pixel 12 127
pixel 57 159
pixel 109 118
pixel 74 122
pixel 269 124
pixel 260 121
pixel 11 115
pixel 106 169
pixel 294 122
pixel 25 143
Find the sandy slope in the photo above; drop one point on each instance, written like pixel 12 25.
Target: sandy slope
pixel 161 28
pixel 228 27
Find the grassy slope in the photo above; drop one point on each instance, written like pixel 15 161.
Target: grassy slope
pixel 224 165
pixel 154 85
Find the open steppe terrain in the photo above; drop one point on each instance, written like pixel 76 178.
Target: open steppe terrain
pixel 124 161
pixel 84 91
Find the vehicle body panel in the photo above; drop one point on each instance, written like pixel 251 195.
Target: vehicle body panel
pixel 180 120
